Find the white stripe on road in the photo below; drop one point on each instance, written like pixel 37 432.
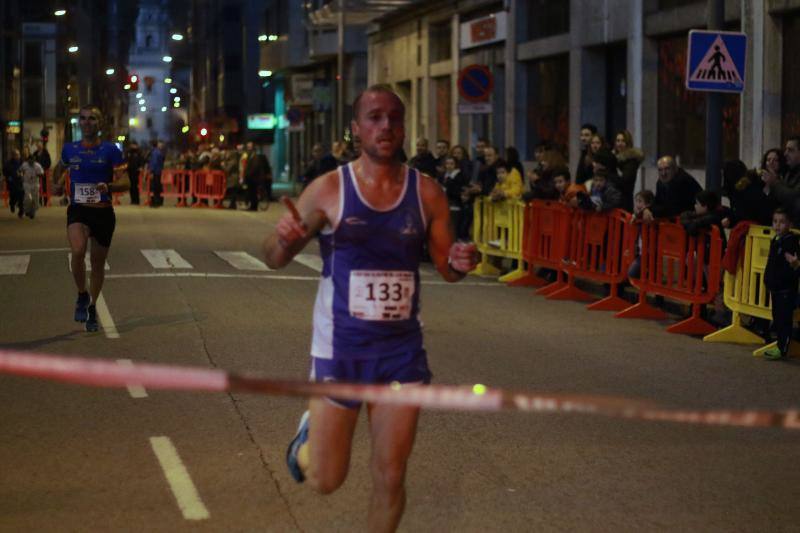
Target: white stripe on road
pixel 210 275
pixel 165 259
pixel 314 262
pixel 14 264
pixel 104 316
pixel 178 478
pixel 87 260
pixel 34 250
pixel 136 391
pixel 243 261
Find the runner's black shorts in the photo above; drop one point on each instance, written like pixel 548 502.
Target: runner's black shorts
pixel 100 220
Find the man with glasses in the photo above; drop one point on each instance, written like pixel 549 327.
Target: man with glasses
pixel 96 169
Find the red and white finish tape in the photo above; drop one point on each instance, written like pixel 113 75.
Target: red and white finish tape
pixel 103 373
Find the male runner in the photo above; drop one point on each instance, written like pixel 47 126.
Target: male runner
pixel 96 169
pixel 372 217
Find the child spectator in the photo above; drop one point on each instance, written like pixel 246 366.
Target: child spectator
pixel 603 195
pixel 509 183
pixel 708 211
pixel 780 278
pixel 567 191
pixel 642 200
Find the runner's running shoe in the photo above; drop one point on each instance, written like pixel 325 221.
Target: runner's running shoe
pixel 300 438
pixel 91 319
pixel 80 307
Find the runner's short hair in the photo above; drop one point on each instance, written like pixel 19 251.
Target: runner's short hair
pixel 94 108
pixel 377 88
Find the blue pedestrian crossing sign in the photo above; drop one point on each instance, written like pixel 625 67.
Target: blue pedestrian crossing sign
pixel 715 61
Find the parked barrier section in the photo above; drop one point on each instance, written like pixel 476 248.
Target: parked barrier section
pixel 497 232
pixel 173 184
pixel 745 293
pixel 145 178
pixel 600 250
pixel 681 267
pixel 208 185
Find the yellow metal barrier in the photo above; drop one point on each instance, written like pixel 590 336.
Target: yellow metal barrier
pixel 497 231
pixel 745 293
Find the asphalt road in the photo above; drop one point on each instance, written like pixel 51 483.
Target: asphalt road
pixel 81 459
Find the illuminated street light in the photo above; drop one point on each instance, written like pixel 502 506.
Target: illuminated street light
pixel 133 121
pixel 173 90
pixel 121 138
pixel 265 73
pixel 185 129
pixel 138 95
pixel 167 80
pixel 176 99
pixel 143 109
pixel 177 37
pixel 262 38
pixel 127 86
pixel 72 49
pixel 109 71
pixel 60 12
pixel 176 104
pixel 167 59
pixel 163 109
pixel 221 138
pixel 141 101
pixel 273 37
pixel 134 78
pixel 203 131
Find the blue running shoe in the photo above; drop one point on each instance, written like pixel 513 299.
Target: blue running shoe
pixel 81 314
pixel 300 438
pixel 91 319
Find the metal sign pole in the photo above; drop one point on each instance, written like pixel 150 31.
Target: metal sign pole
pixel 716 20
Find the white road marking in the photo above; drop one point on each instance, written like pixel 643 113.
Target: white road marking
pixel 136 391
pixel 210 275
pixel 243 261
pixel 313 262
pixel 87 260
pixel 165 259
pixel 14 264
pixel 180 483
pixel 104 316
pixel 34 250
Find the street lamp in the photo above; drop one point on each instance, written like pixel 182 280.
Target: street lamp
pixel 167 59
pixel 173 90
pixel 109 71
pixel 272 37
pixel 264 73
pixel 163 109
pixel 72 49
pixel 60 12
pixel 177 37
pixel 263 37
pixel 167 80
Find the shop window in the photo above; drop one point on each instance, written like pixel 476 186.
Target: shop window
pixel 547 17
pixel 790 105
pixel 547 101
pixel 440 41
pixel 682 113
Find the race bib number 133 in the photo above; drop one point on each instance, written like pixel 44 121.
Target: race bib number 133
pixel 381 294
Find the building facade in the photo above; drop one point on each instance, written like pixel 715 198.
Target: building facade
pixel 556 64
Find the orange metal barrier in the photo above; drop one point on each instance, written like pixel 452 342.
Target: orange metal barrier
pixel 681 267
pixel 144 186
pixel 208 185
pixel 545 241
pixel 173 184
pixel 4 191
pixel 600 250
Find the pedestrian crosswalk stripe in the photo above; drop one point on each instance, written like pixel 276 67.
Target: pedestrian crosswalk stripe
pixel 242 261
pixel 87 261
pixel 165 259
pixel 311 261
pixel 14 264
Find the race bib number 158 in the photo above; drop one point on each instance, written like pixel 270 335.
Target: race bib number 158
pixel 86 193
pixel 381 294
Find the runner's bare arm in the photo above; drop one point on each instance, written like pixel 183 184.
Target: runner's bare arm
pixel 318 204
pixel 453 260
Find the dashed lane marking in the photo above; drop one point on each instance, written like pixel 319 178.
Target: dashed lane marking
pixel 165 259
pixel 136 391
pixel 180 482
pixel 14 264
pixel 242 261
pixel 104 316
